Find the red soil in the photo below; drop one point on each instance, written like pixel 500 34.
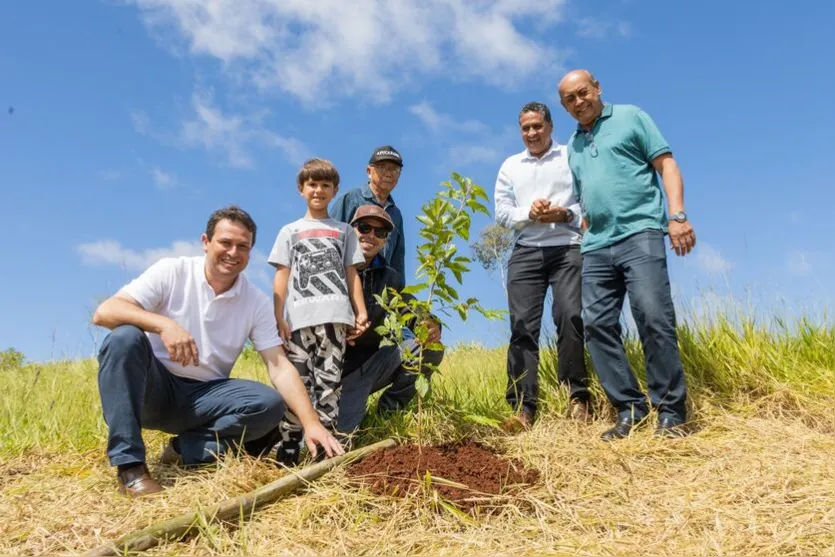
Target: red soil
pixel 402 469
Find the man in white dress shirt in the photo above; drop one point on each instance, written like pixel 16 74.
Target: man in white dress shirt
pixel 176 332
pixel 535 198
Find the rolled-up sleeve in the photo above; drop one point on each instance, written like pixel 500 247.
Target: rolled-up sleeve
pixel 508 212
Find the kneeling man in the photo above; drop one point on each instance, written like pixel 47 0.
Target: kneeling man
pixel 176 333
pixel 368 368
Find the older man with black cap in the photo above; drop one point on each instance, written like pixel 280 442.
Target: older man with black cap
pixel 383 169
pixel 367 367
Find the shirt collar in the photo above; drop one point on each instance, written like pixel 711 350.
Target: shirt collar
pixel 369 195
pixel 607 111
pixel 554 149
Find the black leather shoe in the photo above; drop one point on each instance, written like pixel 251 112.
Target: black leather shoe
pixel 622 429
pixel 670 427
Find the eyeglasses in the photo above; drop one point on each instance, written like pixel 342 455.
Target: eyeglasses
pixel 590 143
pixel 365 228
pixel 387 169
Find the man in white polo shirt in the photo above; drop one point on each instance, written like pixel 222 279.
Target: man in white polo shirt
pixel 176 333
pixel 535 198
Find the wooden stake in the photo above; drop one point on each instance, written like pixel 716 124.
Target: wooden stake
pixel 181 526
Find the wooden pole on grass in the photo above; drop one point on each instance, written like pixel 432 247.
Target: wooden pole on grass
pixel 186 524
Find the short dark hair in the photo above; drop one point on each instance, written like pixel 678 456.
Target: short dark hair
pixel 318 169
pixel 539 107
pixel 232 213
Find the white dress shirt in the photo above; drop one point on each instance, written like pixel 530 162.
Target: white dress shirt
pixel 177 288
pixel 523 179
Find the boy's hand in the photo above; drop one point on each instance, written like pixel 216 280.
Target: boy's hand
pixel 360 324
pixel 284 330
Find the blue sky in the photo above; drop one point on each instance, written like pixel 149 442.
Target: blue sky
pixel 124 124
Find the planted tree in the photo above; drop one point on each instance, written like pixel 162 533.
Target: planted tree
pixel 445 218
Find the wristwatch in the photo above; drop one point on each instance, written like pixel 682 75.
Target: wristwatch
pixel 569 216
pixel 681 216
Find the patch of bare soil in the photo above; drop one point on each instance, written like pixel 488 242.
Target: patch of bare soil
pixel 481 472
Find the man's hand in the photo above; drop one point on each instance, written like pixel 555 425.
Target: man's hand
pixel 682 237
pixel 284 330
pixel 434 331
pixel 557 214
pixel 352 334
pixel 538 208
pixel 315 436
pixel 180 344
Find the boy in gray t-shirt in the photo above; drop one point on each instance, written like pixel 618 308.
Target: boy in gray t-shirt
pixel 316 281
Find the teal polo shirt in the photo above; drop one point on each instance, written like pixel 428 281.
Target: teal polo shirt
pixel 618 188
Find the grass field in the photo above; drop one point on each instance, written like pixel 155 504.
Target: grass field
pixel 757 477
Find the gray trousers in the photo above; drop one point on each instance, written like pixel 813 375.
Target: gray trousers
pixel 384 370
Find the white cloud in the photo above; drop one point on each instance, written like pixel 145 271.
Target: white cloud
pixel 440 122
pixel 141 122
pixel 800 263
pixel 113 253
pixel 596 28
pixel 110 252
pixel 467 154
pixel 163 180
pixel 109 175
pixel 233 135
pixel 710 261
pixel 315 50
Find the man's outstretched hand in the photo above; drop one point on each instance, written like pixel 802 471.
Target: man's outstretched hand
pixel 316 436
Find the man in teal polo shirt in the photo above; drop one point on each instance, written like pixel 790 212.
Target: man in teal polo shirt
pixel 616 155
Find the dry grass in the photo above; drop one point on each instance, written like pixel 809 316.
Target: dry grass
pixel 756 478
pixel 751 486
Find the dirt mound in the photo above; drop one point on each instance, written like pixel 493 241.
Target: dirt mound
pixel 402 469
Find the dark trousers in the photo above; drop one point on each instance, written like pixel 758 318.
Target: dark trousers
pixel 383 370
pixel 208 417
pixel 636 266
pixel 530 271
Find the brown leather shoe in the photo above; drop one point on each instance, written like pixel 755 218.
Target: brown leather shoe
pixel 580 410
pixel 137 482
pixel 170 456
pixel 517 423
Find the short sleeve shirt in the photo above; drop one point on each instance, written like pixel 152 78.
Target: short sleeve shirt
pixel 618 188
pixel 220 324
pixel 317 253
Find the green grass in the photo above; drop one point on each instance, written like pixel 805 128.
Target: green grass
pixel 741 367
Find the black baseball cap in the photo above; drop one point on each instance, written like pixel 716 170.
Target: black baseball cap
pixel 386 153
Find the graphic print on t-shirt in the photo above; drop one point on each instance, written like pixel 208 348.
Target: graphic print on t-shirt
pixel 317 260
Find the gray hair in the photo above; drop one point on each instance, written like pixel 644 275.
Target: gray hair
pixel 539 107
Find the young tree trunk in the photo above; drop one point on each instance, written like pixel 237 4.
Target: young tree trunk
pixel 184 525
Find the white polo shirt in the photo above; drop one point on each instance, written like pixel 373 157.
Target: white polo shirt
pixel 523 179
pixel 177 288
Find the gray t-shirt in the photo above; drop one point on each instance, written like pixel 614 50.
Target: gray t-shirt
pixel 317 253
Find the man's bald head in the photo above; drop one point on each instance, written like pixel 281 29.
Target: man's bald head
pixel 576 76
pixel 580 96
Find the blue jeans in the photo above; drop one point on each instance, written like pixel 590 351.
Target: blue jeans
pixel 208 417
pixel 383 369
pixel 636 265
